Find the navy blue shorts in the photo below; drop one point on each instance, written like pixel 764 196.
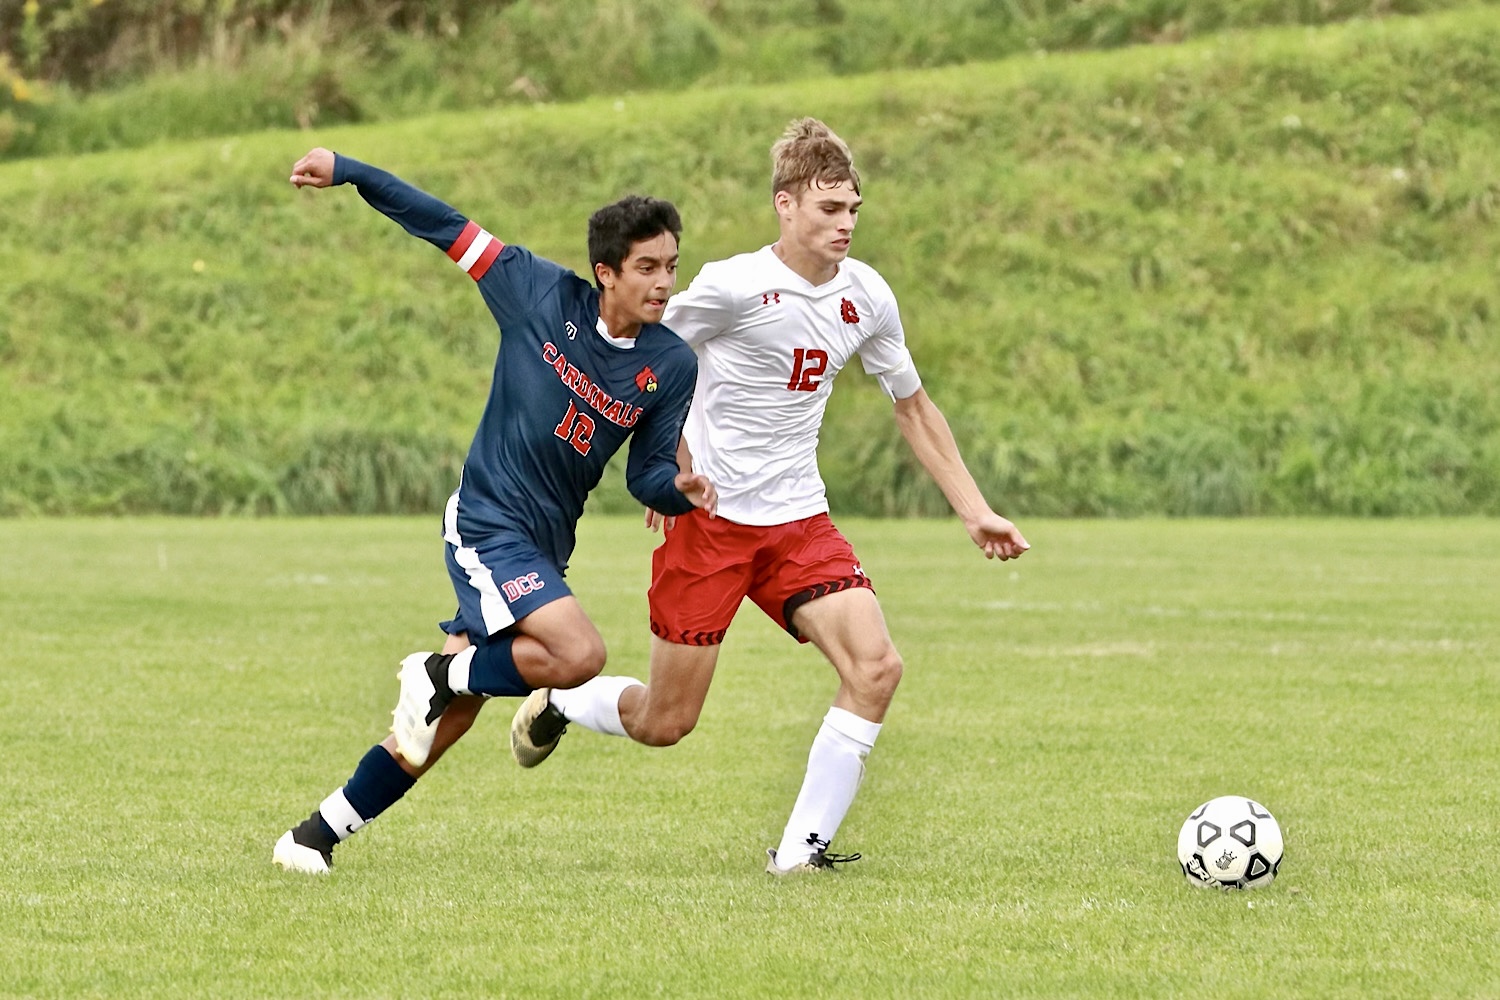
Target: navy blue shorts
pixel 498 584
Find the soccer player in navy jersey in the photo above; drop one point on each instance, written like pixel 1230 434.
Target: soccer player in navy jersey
pixel 580 369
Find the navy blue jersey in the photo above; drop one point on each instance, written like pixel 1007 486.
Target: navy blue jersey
pixel 562 399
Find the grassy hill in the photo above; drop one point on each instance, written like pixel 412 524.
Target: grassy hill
pixel 1252 273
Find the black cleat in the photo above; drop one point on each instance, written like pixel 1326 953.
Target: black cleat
pixel 305 848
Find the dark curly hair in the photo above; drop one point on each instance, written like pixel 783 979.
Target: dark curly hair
pixel 615 227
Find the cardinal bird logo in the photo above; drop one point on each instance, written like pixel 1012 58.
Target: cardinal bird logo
pixel 645 379
pixel 848 312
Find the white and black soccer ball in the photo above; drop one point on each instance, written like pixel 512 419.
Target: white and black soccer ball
pixel 1230 842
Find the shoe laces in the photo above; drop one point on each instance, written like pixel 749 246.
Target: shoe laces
pixel 823 859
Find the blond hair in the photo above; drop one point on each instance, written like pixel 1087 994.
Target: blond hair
pixel 809 152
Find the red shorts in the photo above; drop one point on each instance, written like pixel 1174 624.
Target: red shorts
pixel 706 566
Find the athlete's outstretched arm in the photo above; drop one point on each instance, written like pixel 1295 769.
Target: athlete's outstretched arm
pixel 927 431
pixel 419 213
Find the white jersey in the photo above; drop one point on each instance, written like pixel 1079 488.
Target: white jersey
pixel 769 345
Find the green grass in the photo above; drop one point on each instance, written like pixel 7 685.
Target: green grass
pixel 1252 274
pixel 179 691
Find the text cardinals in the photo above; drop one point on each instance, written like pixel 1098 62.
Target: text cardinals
pixel 614 410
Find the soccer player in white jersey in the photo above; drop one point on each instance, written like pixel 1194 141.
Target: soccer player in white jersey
pixel 771 329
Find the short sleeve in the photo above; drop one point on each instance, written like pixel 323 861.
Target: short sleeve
pixel 703 310
pixel 886 356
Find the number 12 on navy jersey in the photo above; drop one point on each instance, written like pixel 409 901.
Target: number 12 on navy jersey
pixel 808 364
pixel 577 429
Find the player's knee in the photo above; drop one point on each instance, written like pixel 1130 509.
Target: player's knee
pixel 581 660
pixel 665 732
pixel 878 677
pixel 666 735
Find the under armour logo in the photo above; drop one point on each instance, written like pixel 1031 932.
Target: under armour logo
pixel 766 298
pixel 816 842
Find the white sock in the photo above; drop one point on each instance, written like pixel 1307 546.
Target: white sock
pixel 342 818
pixel 595 704
pixel 458 670
pixel 834 769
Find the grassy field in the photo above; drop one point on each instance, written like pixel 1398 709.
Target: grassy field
pixel 178 692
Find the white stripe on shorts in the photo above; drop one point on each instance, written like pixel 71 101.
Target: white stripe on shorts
pixel 450 518
pixel 492 606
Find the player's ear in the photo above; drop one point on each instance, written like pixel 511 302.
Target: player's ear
pixel 605 275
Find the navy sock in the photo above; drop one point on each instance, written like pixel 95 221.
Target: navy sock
pixel 493 670
pixel 375 786
pixel 378 783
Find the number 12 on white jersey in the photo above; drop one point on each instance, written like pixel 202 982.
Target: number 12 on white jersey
pixel 808 366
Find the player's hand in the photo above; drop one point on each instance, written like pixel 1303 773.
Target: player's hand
pixel 998 537
pixel 314 170
pixel 696 488
pixel 655 517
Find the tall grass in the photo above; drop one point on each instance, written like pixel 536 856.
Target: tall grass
pixel 133 72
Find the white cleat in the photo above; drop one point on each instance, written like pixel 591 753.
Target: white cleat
pixel 820 861
pixel 420 706
pixel 293 857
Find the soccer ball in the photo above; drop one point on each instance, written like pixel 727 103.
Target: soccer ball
pixel 1230 843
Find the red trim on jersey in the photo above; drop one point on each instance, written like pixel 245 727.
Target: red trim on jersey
pixel 486 258
pixel 465 239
